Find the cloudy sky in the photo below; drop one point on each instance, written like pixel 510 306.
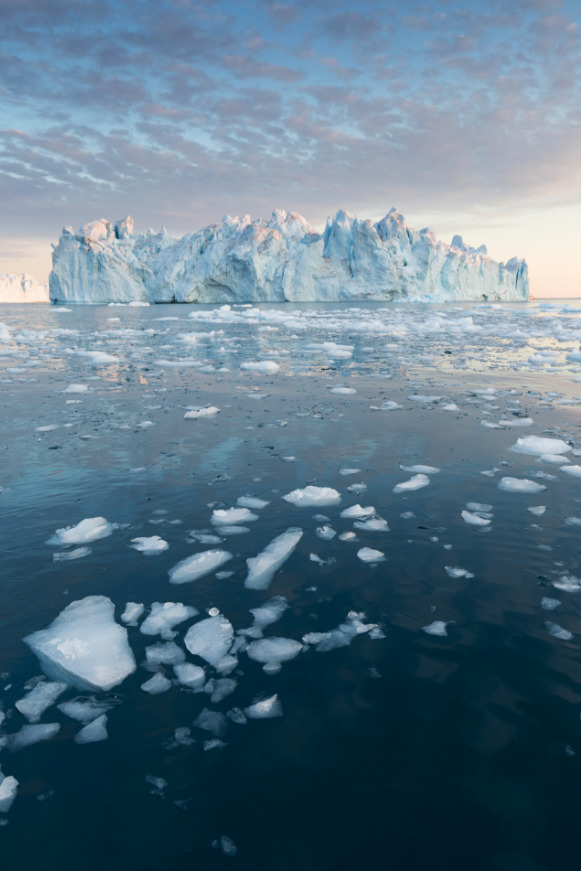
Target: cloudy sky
pixel 464 115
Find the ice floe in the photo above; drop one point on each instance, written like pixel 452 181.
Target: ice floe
pixel 520 485
pixel 414 483
pixel 261 568
pixel 210 638
pixel 149 546
pixel 271 652
pixel 194 567
pixel 313 497
pixel 90 529
pixel 164 616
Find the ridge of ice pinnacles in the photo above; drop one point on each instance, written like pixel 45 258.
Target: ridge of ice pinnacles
pixel 84 646
pixel 281 259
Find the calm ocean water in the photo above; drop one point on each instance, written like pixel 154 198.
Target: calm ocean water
pixel 413 749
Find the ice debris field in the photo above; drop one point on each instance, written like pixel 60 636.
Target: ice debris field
pixel 198 506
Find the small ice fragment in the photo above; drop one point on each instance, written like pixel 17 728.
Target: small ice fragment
pixel 261 568
pixel 414 483
pixel 232 517
pixel 343 391
pixel 272 651
pixel 214 744
pixel 425 470
pixel 196 413
pixel 68 555
pixel 198 565
pixel 357 488
pixel 356 511
pixel 537 446
pixel 252 502
pixel 549 604
pixel 438 627
pixel 41 697
pixel 268 367
pixel 348 536
pixel 149 546
pixel 84 710
pixel 156 684
pixel 373 524
pixel 76 388
pixel 537 510
pixel 520 485
pixel 388 405
pixel 227 664
pixel 211 721
pixel 313 497
pixel 474 519
pixel 93 732
pixel 568 583
pixel 480 507
pixel 237 716
pixel 159 784
pixel 573 521
pixel 325 532
pixel 368 555
pixel 210 639
pixel 189 675
pixel 270 612
pixel 222 688
pixel 450 406
pixel 8 790
pixel 90 529
pixel 349 471
pixel 264 709
pixel 227 845
pixel 167 653
pixel 132 613
pixel 458 572
pixel 557 631
pixel 164 616
pixel 575 471
pixel 32 735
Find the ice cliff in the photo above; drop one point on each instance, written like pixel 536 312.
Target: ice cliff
pixel 283 259
pixel 22 288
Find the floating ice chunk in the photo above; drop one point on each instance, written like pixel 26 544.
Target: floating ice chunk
pixel 226 845
pixel 343 391
pixel 557 631
pixel 537 510
pixel 90 529
pixel 268 367
pixel 261 568
pixel 450 406
pixel 474 519
pixel 368 555
pixel 553 458
pixel 132 613
pixel 356 511
pixel 415 483
pixel 234 530
pixel 388 405
pixel 348 536
pixel 517 421
pixel 210 638
pixel 164 616
pixel 93 732
pixel 41 697
pixel 211 721
pixel 357 488
pixel 232 516
pixel 84 710
pixel 343 635
pixel 167 653
pixel 8 790
pixel 270 612
pixel 237 716
pixel 549 604
pixel 480 507
pixel 196 413
pixel 424 470
pixel 325 532
pixel 417 397
pixel 573 521
pixel 313 497
pixel 575 471
pixel 214 744
pixel 349 471
pixel 159 784
pixel 149 545
pixel 156 684
pixel 32 735
pixel 98 358
pixel 374 524
pixel 84 646
pixel 189 675
pixel 458 572
pixel 273 651
pixel 438 627
pixel 68 555
pixel 220 689
pixel 252 502
pixel 227 664
pixel 537 445
pixel 520 485
pixel 568 583
pixel 264 709
pixel 198 565
pixel 76 388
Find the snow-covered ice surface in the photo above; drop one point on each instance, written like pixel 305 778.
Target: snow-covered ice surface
pixel 399 646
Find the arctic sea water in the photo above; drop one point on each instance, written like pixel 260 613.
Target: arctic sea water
pixel 290 586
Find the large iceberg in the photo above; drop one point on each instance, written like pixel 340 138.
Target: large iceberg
pixel 22 288
pixel 282 259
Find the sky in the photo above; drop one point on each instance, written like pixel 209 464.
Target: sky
pixel 465 116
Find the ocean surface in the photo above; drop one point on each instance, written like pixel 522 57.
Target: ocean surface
pixel 444 730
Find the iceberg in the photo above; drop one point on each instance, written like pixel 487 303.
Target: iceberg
pixel 84 646
pixel 22 288
pixel 277 260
